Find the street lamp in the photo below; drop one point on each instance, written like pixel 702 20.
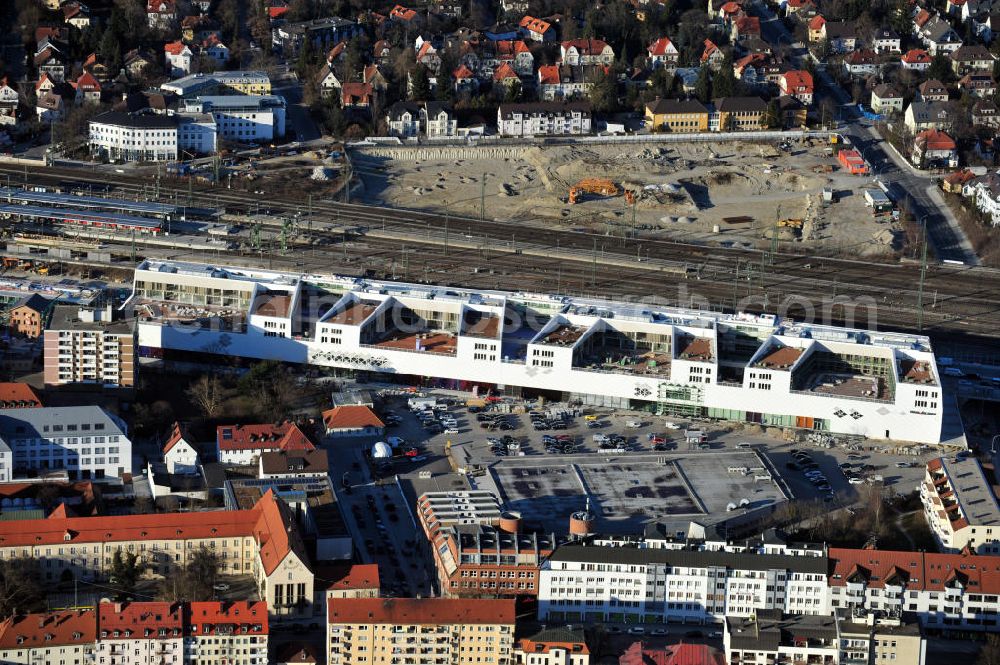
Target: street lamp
pixel 993 444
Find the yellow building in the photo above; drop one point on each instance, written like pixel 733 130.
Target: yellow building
pixel 739 114
pixel 673 115
pixel 882 642
pixel 262 542
pixel 421 631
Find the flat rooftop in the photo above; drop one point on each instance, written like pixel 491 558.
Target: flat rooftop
pixel 650 363
pixel 273 304
pixel 481 324
pixel 439 342
pixel 694 348
pixel 972 491
pixel 780 358
pixel 177 312
pixel 563 335
pixel 848 385
pixel 353 315
pixel 629 492
pixel 916 371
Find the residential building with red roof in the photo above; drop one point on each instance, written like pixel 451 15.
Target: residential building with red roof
pixel 14 395
pixel 56 637
pixel 639 653
pixel 663 53
pixel 959 501
pixel 355 95
pixel 427 630
pixel 178 58
pixel 712 55
pixel 140 633
pixel 359 580
pixel 401 13
pixel 744 28
pixel 934 148
pixel 586 52
pixel 179 453
pixel 227 632
pixel 798 84
pixel 942 591
pixel 464 78
pixel 505 75
pixel 88 89
pixel 162 14
pixel 263 541
pixel 553 646
pixel 352 420
pixel 537 30
pixel 916 59
pixel 243 444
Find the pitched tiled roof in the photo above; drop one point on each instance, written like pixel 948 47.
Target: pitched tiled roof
pixel 175 48
pixel 916 56
pixel 935 139
pixel 285 436
pixel 351 577
pixel 31 631
pixel 798 79
pixel 301 461
pixel 351 416
pixel 176 436
pixel 143 619
pixel 402 13
pixel 535 25
pixel 923 570
pixel 586 46
pixel 18 396
pixel 206 618
pixel 462 72
pixel 548 75
pixel 661 46
pixel 817 22
pixel 410 611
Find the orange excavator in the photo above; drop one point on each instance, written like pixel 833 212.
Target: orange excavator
pixel 600 187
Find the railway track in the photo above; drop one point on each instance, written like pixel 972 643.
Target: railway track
pixel 494 254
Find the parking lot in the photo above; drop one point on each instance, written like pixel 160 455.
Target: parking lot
pixel 646 471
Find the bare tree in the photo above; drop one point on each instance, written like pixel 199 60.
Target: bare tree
pixel 20 586
pixel 207 394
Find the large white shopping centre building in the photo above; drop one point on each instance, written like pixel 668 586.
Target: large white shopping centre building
pixel 737 367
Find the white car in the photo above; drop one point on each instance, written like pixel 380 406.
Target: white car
pixel 856 481
pixel 451 430
pixel 670 425
pixel 637 630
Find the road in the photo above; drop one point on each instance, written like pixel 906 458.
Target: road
pixel 906 183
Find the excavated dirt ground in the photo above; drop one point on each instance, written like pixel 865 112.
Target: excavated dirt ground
pixel 686 190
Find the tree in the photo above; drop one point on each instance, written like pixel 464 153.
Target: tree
pixel 420 87
pixel 940 68
pixel 604 93
pixel 271 387
pixel 990 653
pixel 773 115
pixel 703 86
pixel 206 393
pixel 724 83
pixel 111 50
pixel 20 586
pixel 126 568
pixel 193 581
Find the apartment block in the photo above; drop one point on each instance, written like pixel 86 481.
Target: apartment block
pixel 872 640
pixel 84 442
pixel 66 638
pixel 960 505
pixel 263 542
pixel 732 367
pixel 636 584
pixel 227 633
pixel 427 631
pixel 85 345
pixel 244 444
pixel 940 591
pixel 139 633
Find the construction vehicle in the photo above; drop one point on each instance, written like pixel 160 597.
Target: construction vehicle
pixel 790 223
pixel 599 186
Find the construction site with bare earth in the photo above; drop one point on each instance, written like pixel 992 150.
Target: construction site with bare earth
pixel 735 194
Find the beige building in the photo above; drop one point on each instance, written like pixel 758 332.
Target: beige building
pixel 960 506
pixel 428 631
pixel 882 642
pixel 552 646
pixel 27 316
pixel 139 633
pixel 263 542
pixel 232 633
pixel 84 345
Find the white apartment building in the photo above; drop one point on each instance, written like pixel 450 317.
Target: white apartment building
pixel 941 591
pixel 148 137
pixel 139 633
pixel 85 442
pixel 66 638
pixel 197 133
pixel 642 584
pixel 243 118
pixel 960 506
pixel 544 119
pixel 737 367
pixel 232 633
pixel 86 345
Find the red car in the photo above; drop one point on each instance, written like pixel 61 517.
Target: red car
pixel 657 439
pixel 411 452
